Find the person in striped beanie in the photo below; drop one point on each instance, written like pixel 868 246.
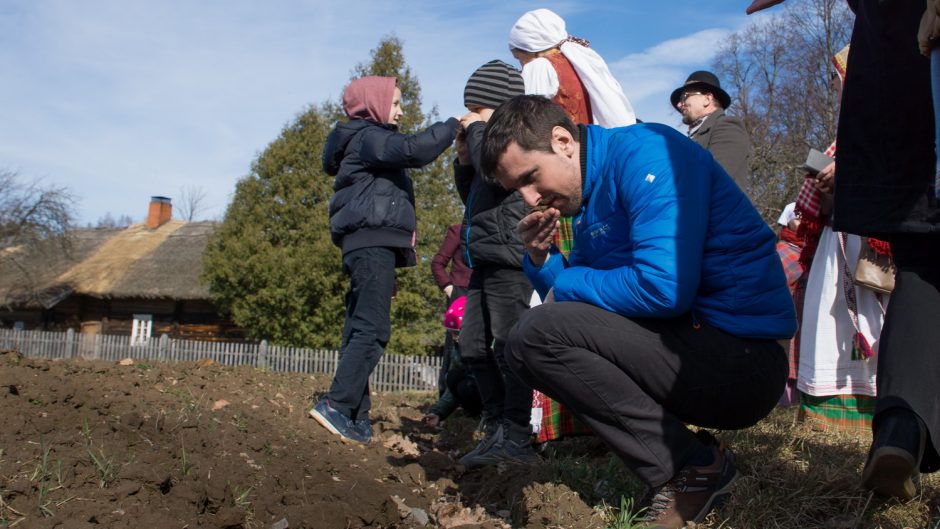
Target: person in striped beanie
pixel 498 292
pixel 491 84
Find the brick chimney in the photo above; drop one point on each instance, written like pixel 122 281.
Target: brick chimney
pixel 161 210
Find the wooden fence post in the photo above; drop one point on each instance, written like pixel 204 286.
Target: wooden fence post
pixel 163 347
pixel 69 339
pixel 263 354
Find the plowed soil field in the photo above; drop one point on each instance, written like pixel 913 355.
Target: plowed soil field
pixel 92 444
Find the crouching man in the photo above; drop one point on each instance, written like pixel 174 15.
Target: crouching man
pixel 667 311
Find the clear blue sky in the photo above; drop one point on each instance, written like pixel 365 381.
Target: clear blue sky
pixel 123 99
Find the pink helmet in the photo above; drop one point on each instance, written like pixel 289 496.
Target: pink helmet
pixel 454 315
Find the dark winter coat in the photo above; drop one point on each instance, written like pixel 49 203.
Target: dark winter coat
pixel 725 137
pixel 373 203
pixel 885 162
pixel 491 213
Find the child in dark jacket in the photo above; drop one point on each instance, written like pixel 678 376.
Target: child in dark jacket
pixel 499 291
pixel 453 283
pixel 372 219
pixel 461 389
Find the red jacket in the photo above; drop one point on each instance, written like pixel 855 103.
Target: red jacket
pixel 449 252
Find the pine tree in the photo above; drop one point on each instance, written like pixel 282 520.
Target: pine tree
pixel 272 264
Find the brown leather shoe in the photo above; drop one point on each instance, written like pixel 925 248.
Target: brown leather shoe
pixel 691 494
pixel 893 466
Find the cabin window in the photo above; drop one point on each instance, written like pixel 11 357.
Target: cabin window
pixel 19 325
pixel 141 329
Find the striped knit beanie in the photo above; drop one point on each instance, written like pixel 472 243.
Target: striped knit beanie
pixel 491 84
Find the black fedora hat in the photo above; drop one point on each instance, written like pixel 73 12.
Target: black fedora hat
pixel 706 82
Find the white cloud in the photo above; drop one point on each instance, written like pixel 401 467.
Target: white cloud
pixel 123 100
pixel 648 77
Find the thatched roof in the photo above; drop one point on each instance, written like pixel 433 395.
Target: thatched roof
pixel 172 270
pixel 29 275
pixel 135 262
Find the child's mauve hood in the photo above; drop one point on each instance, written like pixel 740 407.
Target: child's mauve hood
pixel 369 98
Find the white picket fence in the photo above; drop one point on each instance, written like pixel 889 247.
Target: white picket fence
pixel 394 372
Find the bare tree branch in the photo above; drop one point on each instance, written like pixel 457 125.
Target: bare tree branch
pixel 31 211
pixel 191 202
pixel 778 72
pixel 34 224
pixel 108 221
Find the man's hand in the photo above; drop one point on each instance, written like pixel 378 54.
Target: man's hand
pixel 826 179
pixel 448 290
pixel 537 231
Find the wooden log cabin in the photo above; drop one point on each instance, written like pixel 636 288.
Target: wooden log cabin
pixel 141 281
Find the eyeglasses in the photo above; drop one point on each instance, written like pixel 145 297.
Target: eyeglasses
pixel 686 95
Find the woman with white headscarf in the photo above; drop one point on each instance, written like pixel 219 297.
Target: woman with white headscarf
pixel 563 68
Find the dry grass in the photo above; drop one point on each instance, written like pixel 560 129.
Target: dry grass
pixel 795 477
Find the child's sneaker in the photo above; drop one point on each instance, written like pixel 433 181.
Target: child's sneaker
pixel 364 428
pixel 337 423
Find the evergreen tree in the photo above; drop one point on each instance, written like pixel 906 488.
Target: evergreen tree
pixel 272 264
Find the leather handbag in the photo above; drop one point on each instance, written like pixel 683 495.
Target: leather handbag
pixel 875 271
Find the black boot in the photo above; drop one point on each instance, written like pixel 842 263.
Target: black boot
pixel 893 466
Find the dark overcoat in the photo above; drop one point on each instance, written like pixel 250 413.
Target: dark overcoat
pixel 725 137
pixel 885 160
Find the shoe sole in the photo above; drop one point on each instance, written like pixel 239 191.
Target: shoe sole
pixel 889 473
pixel 496 461
pixel 488 457
pixel 717 499
pixel 324 422
pixel 469 461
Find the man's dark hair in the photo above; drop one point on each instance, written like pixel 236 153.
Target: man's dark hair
pixel 526 120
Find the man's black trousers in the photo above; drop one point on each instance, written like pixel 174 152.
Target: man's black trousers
pixel 637 382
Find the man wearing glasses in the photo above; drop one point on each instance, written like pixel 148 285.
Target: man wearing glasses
pixel 702 103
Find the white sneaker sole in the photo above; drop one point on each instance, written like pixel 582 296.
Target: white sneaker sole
pixel 323 422
pixel 329 426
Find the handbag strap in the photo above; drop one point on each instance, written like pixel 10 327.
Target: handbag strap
pixel 861 349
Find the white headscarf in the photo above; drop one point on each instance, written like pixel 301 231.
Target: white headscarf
pixel 542 29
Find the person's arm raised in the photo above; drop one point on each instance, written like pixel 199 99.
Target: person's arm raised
pixel 386 148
